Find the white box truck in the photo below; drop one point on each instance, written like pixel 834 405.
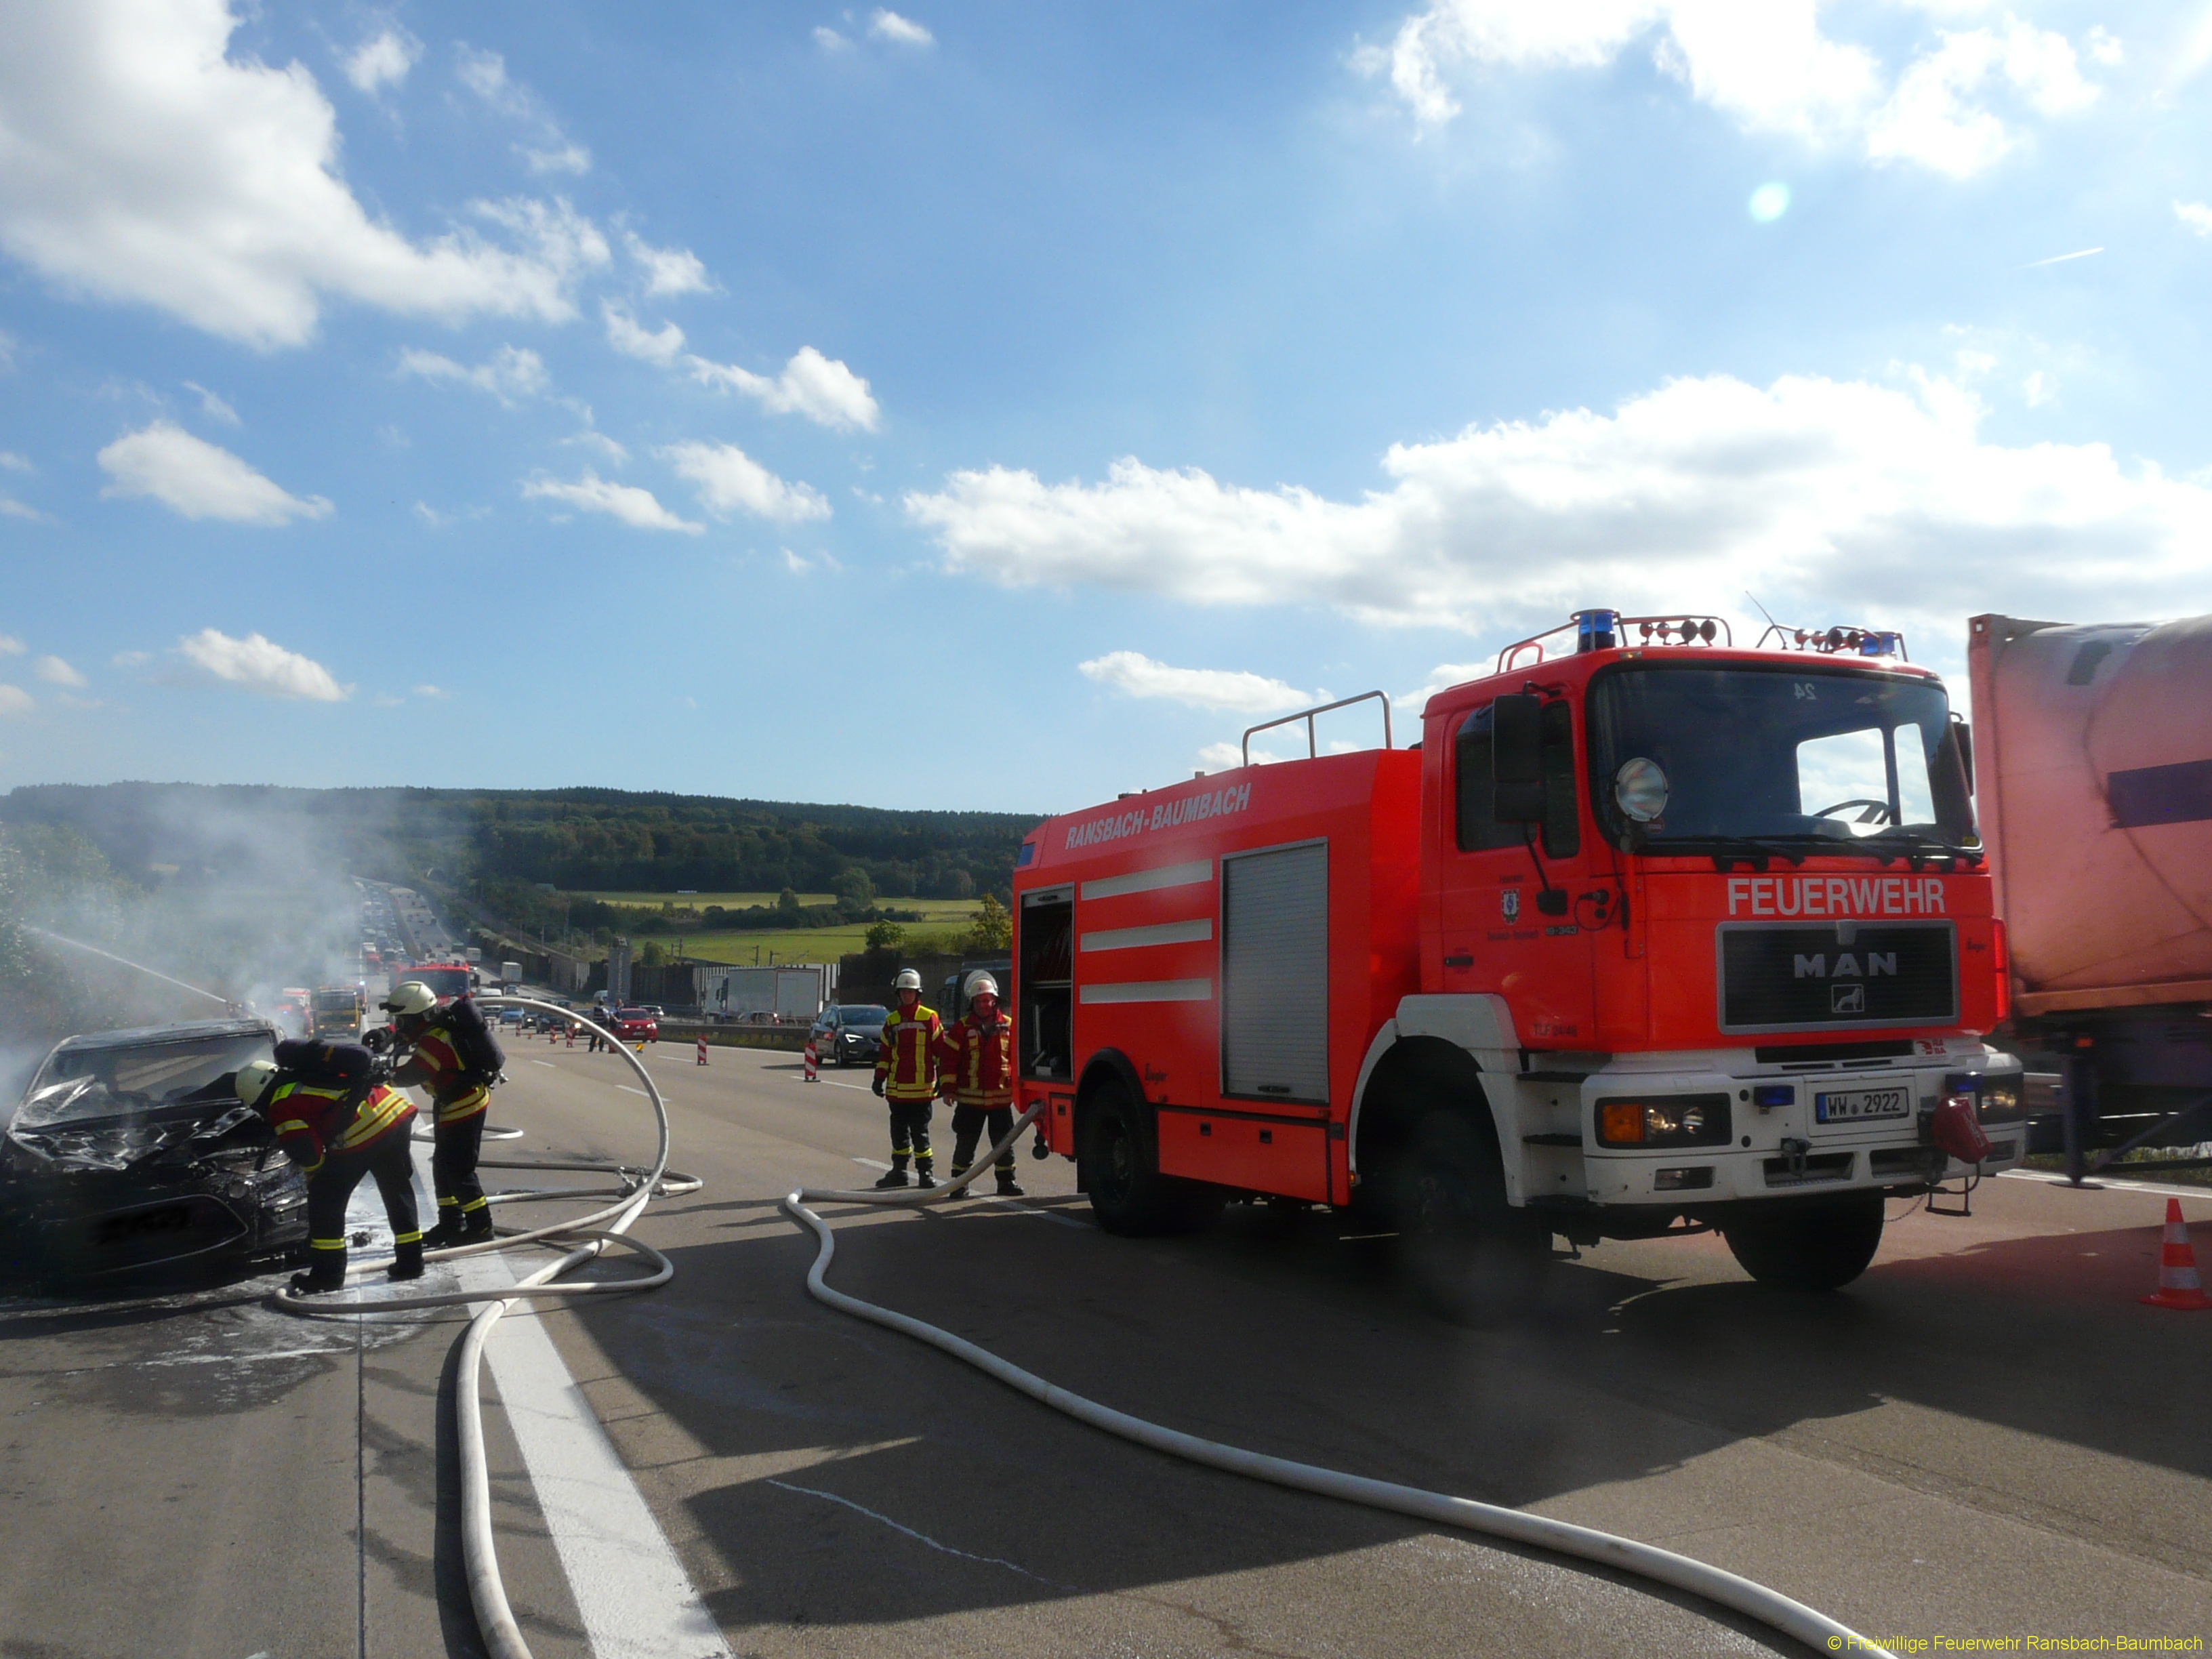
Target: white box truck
pixel 760 996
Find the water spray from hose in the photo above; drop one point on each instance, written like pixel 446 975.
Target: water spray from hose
pixel 79 944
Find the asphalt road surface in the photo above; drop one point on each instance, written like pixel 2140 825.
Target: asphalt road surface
pixel 1987 1435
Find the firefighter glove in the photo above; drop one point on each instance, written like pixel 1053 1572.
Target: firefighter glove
pixel 878 1085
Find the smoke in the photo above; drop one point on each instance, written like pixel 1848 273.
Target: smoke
pixel 244 892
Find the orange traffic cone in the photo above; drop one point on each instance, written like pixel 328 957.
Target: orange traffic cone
pixel 813 1063
pixel 2178 1286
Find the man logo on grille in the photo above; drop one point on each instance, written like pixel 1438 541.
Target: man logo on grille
pixel 1847 999
pixel 1509 902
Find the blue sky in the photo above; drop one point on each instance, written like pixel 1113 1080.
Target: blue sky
pixel 1002 406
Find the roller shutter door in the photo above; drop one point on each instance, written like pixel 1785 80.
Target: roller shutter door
pixel 1274 974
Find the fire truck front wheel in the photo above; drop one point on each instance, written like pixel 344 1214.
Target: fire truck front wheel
pixel 1808 1245
pixel 1469 1253
pixel 1121 1169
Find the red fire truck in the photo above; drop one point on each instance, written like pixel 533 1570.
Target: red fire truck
pixel 1647 930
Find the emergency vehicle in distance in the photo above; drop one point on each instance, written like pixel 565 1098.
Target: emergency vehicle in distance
pixel 1647 929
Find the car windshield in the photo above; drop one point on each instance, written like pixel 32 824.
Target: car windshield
pixel 634 1013
pixel 443 981
pixel 1856 760
pixel 83 1084
pixel 864 1013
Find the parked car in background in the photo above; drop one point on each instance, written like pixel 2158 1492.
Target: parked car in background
pixel 850 1036
pixel 636 1025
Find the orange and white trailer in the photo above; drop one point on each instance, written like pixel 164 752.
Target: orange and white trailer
pixel 1646 929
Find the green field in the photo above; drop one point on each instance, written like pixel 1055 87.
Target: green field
pixel 727 901
pixel 745 947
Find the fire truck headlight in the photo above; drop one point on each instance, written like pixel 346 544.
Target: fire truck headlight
pixel 1677 1121
pixel 1639 789
pixel 2000 1100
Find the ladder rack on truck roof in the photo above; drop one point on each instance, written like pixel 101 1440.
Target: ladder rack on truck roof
pixel 1313 748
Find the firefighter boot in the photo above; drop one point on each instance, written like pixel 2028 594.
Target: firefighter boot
pixel 326 1273
pixel 1008 1187
pixel 475 1225
pixel 922 1178
pixel 447 1232
pixel 406 1261
pixel 895 1178
pixel 959 1169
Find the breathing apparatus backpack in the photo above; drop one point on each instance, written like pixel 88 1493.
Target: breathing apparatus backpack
pixel 338 1066
pixel 483 1059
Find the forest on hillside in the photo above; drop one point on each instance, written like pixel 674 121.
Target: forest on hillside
pixel 577 839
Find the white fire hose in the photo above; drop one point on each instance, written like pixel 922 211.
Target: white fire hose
pixel 1740 1595
pixel 635 1189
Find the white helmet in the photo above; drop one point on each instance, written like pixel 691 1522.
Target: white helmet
pixel 981 984
pixel 410 997
pixel 253 1080
pixel 908 979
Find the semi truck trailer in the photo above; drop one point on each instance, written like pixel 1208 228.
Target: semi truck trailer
pixel 2095 756
pixel 1647 931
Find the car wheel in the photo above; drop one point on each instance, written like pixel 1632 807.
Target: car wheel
pixel 1118 1166
pixel 1469 1255
pixel 1809 1244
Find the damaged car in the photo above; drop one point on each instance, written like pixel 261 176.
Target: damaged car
pixel 130 1150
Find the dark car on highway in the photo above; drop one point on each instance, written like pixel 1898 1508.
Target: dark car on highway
pixel 131 1150
pixel 850 1036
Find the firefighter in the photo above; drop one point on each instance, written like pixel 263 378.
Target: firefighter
pixel 905 1078
pixel 461 1095
pixel 338 1126
pixel 975 1070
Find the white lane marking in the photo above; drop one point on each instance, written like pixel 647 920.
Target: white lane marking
pixel 640 1093
pixel 631 1589
pixel 2107 1179
pixel 547 1064
pixel 918 1537
pixel 864 1088
pixel 871 1163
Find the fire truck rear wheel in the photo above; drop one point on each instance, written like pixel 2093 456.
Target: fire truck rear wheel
pixel 1469 1254
pixel 1810 1245
pixel 1119 1155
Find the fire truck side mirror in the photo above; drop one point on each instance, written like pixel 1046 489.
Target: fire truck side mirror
pixel 1516 759
pixel 1963 735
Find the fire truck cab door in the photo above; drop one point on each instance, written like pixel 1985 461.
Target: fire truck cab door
pixel 1501 934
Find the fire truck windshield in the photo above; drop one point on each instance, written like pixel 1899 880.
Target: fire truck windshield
pixel 1799 754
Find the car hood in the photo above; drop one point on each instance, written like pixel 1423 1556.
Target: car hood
pixel 137 1143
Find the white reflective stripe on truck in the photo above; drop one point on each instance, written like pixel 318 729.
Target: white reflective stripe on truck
pixel 1151 990
pixel 1160 932
pixel 1147 881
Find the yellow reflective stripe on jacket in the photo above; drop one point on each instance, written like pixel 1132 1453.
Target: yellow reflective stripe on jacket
pixel 464 1106
pixel 383 1107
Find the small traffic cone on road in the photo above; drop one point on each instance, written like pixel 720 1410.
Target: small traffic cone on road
pixel 702 1051
pixel 2178 1286
pixel 811 1071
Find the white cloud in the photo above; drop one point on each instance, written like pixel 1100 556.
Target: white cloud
pixel 1768 66
pixel 669 270
pixel 485 73
pixel 431 691
pixel 1136 675
pixel 10 646
pixel 10 461
pixel 2195 214
pixel 598 440
pixel 260 665
pixel 215 408
pixel 1839 496
pixel 627 336
pixel 131 659
pixel 591 494
pixel 567 157
pixel 12 508
pixel 199 480
pixel 510 375
pixel 14 701
pixel 54 671
pixel 731 481
pixel 829 40
pixel 140 163
pixel 821 388
pixel 901 31
pixel 383 60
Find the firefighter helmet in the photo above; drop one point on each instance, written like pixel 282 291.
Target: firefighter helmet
pixel 980 984
pixel 410 997
pixel 908 979
pixel 253 1080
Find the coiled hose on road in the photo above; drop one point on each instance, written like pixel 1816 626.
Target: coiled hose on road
pixel 1769 1607
pixel 633 1191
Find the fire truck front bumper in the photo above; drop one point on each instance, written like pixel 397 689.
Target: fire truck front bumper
pixel 1692 1139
